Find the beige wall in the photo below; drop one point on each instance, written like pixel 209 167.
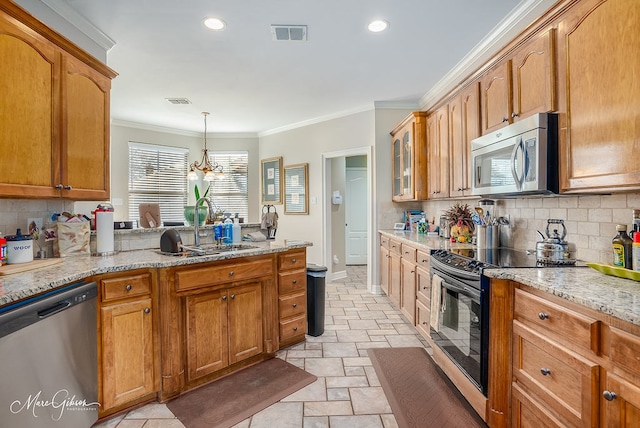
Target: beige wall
pixel 338 215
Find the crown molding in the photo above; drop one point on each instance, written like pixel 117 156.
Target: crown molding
pixel 520 18
pixel 63 9
pixel 166 130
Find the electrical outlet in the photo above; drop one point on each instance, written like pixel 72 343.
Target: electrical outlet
pixel 37 221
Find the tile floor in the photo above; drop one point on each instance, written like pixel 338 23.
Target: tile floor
pixel 347 393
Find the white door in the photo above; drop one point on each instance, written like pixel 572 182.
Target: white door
pixel 356 216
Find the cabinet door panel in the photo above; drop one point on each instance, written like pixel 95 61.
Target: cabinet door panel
pixel 408 294
pixel 624 409
pixel 30 90
pixel 439 155
pixel 496 97
pixel 245 322
pixel 127 352
pixel 394 278
pixel 207 333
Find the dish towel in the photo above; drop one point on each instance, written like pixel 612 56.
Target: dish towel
pixel 436 301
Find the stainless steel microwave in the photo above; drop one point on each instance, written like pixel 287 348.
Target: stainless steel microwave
pixel 519 159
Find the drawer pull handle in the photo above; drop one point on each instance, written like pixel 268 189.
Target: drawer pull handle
pixel 231 273
pixel 295 305
pixel 543 316
pixel 295 281
pixel 128 287
pixel 413 271
pixel 147 310
pixel 609 395
pixel 545 372
pixel 295 328
pixel 233 296
pixel 293 260
pixel 224 297
pixel 425 323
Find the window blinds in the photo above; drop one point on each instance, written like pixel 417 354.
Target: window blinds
pixel 231 192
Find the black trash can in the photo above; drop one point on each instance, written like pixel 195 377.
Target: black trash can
pixel 315 299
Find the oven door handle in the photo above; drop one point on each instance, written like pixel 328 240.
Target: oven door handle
pixel 468 291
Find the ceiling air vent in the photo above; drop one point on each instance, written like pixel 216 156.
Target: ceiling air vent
pixel 286 33
pixel 178 100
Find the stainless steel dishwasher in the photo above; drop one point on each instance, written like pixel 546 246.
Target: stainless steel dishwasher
pixel 48 360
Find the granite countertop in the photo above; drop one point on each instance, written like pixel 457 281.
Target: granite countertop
pixel 23 285
pixel 610 295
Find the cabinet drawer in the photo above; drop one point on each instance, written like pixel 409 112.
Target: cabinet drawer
pixel 577 328
pixel 293 304
pixel 565 381
pixel 126 286
pixel 408 253
pixel 384 242
pixel 527 412
pixel 221 274
pixel 292 260
pixel 423 286
pixel 423 317
pixel 292 282
pixel 293 327
pixel 625 350
pixel 423 259
pixel 395 246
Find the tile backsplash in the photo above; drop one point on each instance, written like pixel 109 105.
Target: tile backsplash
pixel 590 220
pixel 14 213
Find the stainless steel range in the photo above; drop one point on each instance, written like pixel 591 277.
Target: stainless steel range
pixel 460 304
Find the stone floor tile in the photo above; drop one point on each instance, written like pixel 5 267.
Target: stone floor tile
pixel 316 391
pixel 381 332
pixel 340 321
pixel 363 325
pixel 151 411
pixel 389 421
pixel 403 341
pixel 405 329
pixel 328 408
pixel 372 376
pixel 161 423
pixel 316 422
pixel 368 401
pixel 339 350
pixel 298 362
pixel 244 424
pixel 341 304
pixel 368 345
pixel 337 394
pixel 333 311
pixel 372 315
pixel 324 366
pixel 379 339
pixel 356 361
pixel 110 423
pixel 363 421
pixel 354 371
pixel 134 423
pixel 352 336
pixel 303 353
pixel 313 345
pixel 347 381
pixel 380 307
pixel 281 415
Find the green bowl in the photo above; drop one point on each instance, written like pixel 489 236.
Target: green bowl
pixel 189 215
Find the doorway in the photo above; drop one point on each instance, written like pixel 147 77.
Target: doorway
pixel 355 201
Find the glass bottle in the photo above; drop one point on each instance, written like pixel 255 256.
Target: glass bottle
pixel 622 248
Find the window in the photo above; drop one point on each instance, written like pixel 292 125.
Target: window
pixel 157 174
pixel 230 193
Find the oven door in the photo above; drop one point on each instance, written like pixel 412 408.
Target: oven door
pixel 458 328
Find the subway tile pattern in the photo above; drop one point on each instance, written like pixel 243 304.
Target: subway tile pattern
pixel 347 393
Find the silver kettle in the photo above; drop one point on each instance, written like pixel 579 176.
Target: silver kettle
pixel 553 249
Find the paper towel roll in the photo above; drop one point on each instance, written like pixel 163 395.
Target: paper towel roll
pixel 104 232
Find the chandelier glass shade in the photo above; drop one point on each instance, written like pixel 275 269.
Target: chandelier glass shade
pixel 210 171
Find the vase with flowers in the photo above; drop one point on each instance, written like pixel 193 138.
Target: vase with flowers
pixel 203 210
pixel 460 222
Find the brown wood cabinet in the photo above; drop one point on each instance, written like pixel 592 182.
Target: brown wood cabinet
pixel 598 46
pixel 408 279
pixel 438 143
pixel 409 154
pixel 292 297
pixel 128 352
pixel 464 126
pixel 384 264
pixel 395 274
pixel 423 294
pixel 56 113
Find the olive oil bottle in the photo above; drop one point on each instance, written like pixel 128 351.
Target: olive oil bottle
pixel 622 248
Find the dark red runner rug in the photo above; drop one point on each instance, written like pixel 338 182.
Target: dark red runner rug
pixel 225 402
pixel 419 393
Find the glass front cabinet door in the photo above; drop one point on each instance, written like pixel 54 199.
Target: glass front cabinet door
pixel 409 151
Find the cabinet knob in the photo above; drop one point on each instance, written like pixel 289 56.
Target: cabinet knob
pixel 67 187
pixel 413 271
pixel 609 395
pixel 224 297
pixel 543 316
pixel 295 305
pixel 295 281
pixel 147 310
pixel 545 371
pixel 233 296
pixel 59 186
pixel 295 328
pixel 424 260
pixel 424 288
pixel 514 114
pixel 504 119
pixel 128 287
pixel 460 189
pixel 425 323
pixel 231 273
pixel 293 260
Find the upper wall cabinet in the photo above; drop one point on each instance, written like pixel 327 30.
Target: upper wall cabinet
pixel 409 154
pixel 464 126
pixel 438 143
pixel 54 113
pixel 521 85
pixel 598 50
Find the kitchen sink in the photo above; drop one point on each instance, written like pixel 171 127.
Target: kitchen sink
pixel 207 250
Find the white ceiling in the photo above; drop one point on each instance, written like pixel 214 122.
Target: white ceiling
pixel 252 84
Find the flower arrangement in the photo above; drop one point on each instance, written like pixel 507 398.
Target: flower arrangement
pixel 460 222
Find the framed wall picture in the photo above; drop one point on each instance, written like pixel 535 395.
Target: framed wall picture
pixel 296 189
pixel 271 180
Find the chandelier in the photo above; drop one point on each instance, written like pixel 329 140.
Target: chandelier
pixel 210 171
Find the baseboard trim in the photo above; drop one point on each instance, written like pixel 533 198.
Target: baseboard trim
pixel 338 275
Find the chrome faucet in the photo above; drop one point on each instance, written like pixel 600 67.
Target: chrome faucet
pixel 196 220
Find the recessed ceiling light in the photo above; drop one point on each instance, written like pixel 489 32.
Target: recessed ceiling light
pixel 214 23
pixel 378 25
